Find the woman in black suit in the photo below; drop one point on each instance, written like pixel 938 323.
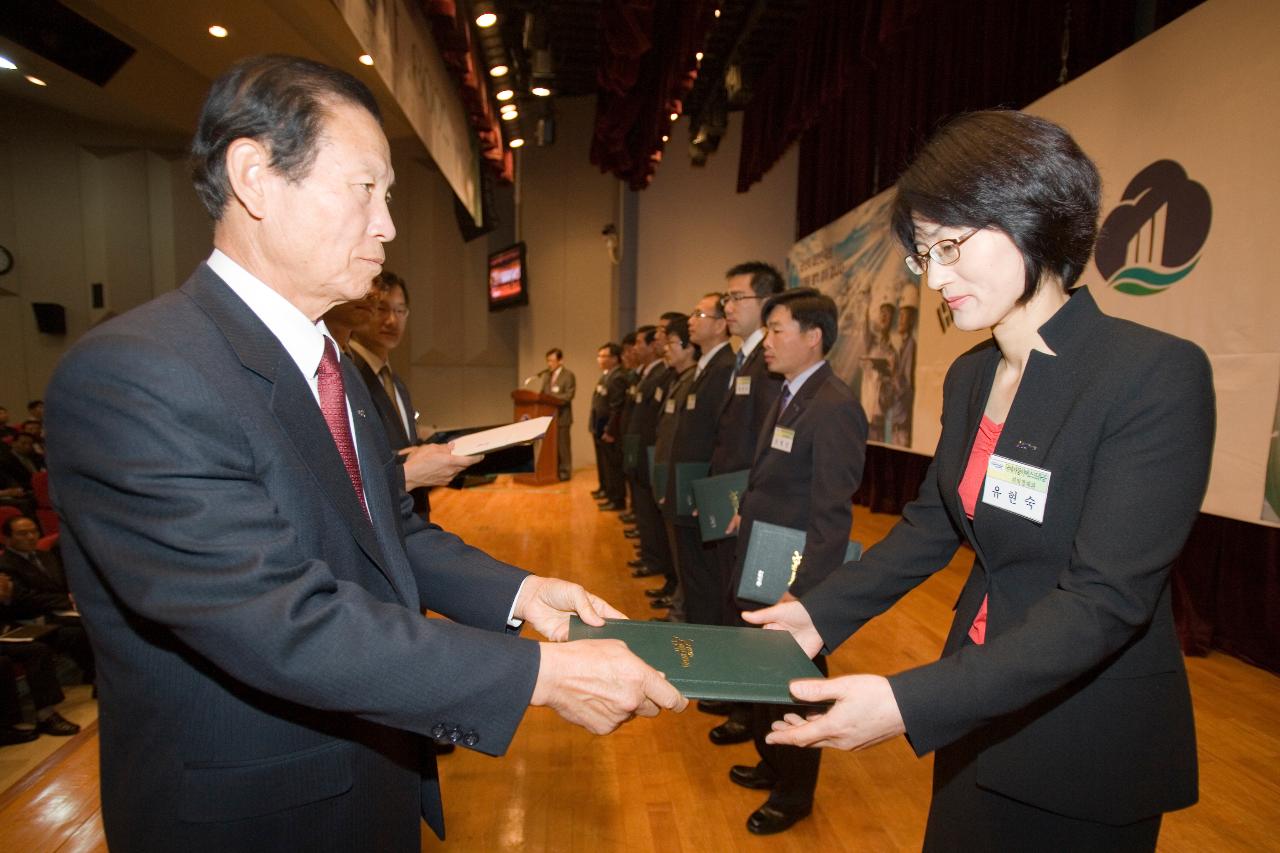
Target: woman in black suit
pixel 1073 458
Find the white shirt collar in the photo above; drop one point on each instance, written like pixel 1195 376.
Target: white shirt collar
pixel 752 341
pixel 301 338
pixel 794 385
pixel 710 354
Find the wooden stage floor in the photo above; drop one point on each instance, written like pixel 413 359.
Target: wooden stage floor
pixel 659 785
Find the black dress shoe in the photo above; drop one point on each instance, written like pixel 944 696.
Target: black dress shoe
pixel 637 563
pixel 663 591
pixel 627 518
pixel 610 506
pixel 646 572
pixel 598 494
pixel 730 731
pixel 712 706
pixel 752 776
pixel 663 603
pixel 631 533
pixel 57 725
pixel 9 736
pixel 769 819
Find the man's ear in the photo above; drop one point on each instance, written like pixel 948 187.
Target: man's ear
pixel 813 337
pixel 248 172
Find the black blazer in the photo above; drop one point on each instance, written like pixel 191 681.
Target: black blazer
pixel 743 416
pixel 36 590
pixel 650 394
pixel 1079 696
pixel 811 487
pixel 695 428
pixel 391 421
pixel 267 680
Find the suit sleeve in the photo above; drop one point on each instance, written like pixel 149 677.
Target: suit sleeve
pixel 1148 479
pixel 839 452
pixel 157 480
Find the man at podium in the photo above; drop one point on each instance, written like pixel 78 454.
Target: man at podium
pixel 558 381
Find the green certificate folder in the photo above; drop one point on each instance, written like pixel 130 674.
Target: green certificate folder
pixel 711 661
pixel 717 500
pixel 773 558
pixel 686 473
pixel 630 452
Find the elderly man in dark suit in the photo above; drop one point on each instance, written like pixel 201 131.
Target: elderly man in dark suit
pixel 237 539
pixel 808 464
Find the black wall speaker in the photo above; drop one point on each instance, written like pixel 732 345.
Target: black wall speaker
pixel 51 318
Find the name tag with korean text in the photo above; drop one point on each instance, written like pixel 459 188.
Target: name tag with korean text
pixel 657 394
pixel 742 386
pixel 670 408
pixel 555 388
pixel 1016 487
pixel 600 390
pixel 691 402
pixel 783 438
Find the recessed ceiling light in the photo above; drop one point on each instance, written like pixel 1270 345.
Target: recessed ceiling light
pixel 717 13
pixel 488 19
pixel 366 59
pixel 6 64
pixel 698 56
pixel 675 116
pixel 507 108
pixel 498 71
pixel 36 81
pixel 510 114
pixel 517 142
pixel 218 32
pixel 505 94
pixel 665 137
pixel 540 91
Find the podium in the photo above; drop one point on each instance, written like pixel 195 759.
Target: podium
pixel 531 404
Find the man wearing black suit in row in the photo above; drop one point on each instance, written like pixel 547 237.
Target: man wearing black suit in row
pixel 606 411
pixel 753 389
pixel 692 442
pixel 808 464
pixel 647 399
pixel 236 533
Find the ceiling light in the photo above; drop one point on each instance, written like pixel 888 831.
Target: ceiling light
pixel 675 116
pixel 540 91
pixel 665 137
pixel 507 108
pixel 36 81
pixel 498 71
pixel 717 13
pixel 488 19
pixel 6 64
pixel 218 32
pixel 512 114
pixel 505 94
pixel 366 59
pixel 517 142
pixel 698 56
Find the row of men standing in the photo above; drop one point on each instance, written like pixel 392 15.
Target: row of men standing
pixel 680 391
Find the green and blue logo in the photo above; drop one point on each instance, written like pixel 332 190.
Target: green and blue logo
pixel 1152 240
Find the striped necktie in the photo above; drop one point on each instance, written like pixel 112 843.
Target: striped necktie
pixel 333 405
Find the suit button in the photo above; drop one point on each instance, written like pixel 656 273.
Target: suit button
pixel 455 734
pixel 438 731
pixel 471 739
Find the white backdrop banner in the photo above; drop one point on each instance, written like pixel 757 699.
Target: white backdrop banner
pixel 1185 146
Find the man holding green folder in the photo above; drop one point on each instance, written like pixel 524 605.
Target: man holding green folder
pixel 808 463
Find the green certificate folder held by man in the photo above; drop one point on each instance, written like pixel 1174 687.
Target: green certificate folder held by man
pixel 711 661
pixel 717 501
pixel 686 474
pixel 773 558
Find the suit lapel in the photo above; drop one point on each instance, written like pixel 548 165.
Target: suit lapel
pixel 800 400
pixel 293 405
pixel 958 458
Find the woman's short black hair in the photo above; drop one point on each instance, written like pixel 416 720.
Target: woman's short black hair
pixel 812 309
pixel 282 101
pixel 678 328
pixel 1017 173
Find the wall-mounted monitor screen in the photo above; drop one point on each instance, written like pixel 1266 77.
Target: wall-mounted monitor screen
pixel 508 278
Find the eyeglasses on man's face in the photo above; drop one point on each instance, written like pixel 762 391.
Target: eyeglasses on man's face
pixel 385 310
pixel 698 312
pixel 736 297
pixel 945 252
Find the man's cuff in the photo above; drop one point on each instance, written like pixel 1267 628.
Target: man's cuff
pixel 512 622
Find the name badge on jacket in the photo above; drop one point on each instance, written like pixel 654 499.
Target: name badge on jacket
pixel 555 388
pixel 670 408
pixel 742 386
pixel 1016 487
pixel 657 394
pixel 691 402
pixel 783 438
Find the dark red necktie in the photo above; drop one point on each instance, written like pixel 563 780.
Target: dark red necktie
pixel 333 405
